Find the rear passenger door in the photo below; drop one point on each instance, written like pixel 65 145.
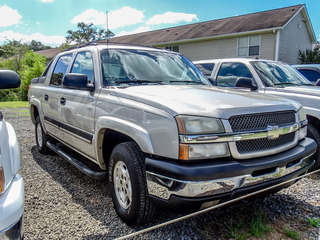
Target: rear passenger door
pixel 52 94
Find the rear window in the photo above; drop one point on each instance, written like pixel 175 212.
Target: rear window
pixel 206 68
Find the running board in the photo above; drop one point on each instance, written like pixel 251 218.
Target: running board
pixel 76 163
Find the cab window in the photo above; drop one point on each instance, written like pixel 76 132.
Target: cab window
pixel 206 68
pixel 230 72
pixel 83 64
pixel 60 69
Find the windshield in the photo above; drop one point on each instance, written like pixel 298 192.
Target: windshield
pixel 132 67
pixel 278 74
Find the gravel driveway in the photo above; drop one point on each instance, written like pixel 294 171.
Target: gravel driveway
pixel 62 203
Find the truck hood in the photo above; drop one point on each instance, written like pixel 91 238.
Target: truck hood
pixel 306 90
pixel 204 100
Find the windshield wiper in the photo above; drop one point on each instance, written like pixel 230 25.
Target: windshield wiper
pixel 186 81
pixel 285 83
pixel 135 81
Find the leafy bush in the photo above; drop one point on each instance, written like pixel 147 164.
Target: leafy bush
pixel 28 65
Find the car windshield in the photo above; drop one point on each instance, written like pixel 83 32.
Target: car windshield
pixel 279 74
pixel 140 67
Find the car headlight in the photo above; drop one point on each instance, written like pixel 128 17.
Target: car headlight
pixel 302 114
pixel 192 125
pixel 302 133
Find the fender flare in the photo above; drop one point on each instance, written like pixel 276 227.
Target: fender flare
pixel 132 130
pixel 33 102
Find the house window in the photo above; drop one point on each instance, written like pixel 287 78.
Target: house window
pixel 174 48
pixel 249 46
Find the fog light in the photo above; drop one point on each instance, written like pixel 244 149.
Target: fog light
pixel 203 151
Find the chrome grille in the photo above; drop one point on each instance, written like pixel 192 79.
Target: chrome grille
pixel 260 121
pixel 249 122
pixel 264 143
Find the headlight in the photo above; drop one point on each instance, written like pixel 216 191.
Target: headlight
pixel 190 125
pixel 302 114
pixel 193 125
pixel 302 133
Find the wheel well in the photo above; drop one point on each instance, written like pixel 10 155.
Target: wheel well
pixel 314 121
pixel 34 113
pixel 110 140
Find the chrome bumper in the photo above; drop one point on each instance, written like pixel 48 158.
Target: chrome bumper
pixel 163 187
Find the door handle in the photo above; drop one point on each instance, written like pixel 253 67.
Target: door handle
pixel 63 101
pixel 46 97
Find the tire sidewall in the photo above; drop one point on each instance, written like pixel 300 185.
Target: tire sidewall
pixel 43 147
pixel 131 214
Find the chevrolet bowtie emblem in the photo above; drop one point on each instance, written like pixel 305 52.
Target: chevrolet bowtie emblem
pixel 274 132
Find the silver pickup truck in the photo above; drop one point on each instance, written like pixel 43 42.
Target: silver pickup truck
pixel 160 133
pixel 268 77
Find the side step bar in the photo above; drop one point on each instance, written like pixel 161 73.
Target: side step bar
pixel 76 163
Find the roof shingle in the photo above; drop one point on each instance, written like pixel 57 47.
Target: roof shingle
pixel 244 23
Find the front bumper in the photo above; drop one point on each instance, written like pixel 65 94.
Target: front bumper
pixel 11 210
pixel 204 181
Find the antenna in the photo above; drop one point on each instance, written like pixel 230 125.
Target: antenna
pixel 107 23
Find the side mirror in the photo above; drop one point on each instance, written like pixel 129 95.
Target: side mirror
pixel 318 82
pixel 246 83
pixel 76 81
pixel 9 79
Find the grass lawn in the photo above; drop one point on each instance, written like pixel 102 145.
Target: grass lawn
pixel 15 104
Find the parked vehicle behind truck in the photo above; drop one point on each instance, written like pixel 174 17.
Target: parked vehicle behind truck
pixel 160 133
pixel 271 78
pixel 11 182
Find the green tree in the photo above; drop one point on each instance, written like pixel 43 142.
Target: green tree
pixel 37 46
pixel 28 66
pixel 32 66
pixel 87 33
pixel 310 56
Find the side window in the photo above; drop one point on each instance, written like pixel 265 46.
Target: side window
pixel 84 64
pixel 60 69
pixel 206 68
pixel 230 72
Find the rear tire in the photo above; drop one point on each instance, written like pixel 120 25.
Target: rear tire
pixel 313 133
pixel 127 181
pixel 41 138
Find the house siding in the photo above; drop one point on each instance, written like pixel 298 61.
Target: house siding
pixel 220 48
pixel 268 43
pixel 226 48
pixel 293 39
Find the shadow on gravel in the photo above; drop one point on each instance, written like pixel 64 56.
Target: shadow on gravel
pixel 281 210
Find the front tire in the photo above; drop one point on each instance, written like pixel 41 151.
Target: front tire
pixel 41 138
pixel 127 180
pixel 312 132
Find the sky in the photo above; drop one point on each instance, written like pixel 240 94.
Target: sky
pixel 48 21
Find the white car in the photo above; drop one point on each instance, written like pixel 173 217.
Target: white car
pixel 11 183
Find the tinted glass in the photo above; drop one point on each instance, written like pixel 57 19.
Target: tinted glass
pixel 83 64
pixel 311 75
pixel 206 68
pixel 230 72
pixel 277 74
pixel 128 66
pixel 60 69
pixel 254 51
